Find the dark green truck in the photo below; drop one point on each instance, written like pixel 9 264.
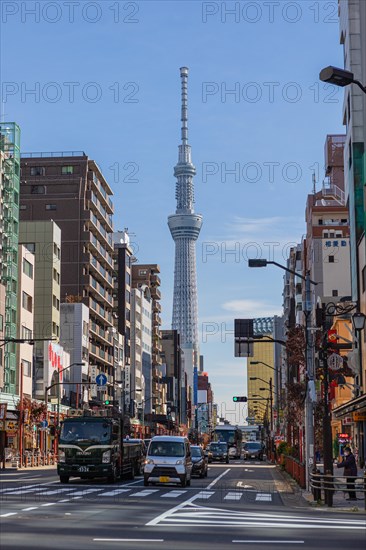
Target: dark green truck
pixel 91 446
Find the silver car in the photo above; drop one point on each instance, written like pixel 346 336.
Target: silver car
pixel 168 460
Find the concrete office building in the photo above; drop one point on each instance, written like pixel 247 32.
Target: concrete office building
pixel 70 189
pixel 171 356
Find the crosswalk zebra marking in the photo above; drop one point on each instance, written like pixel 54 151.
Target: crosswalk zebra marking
pixel 233 496
pixel 144 493
pixel 173 494
pixel 264 497
pixel 114 492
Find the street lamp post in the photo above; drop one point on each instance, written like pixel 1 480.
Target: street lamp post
pixel 339 77
pixel 309 361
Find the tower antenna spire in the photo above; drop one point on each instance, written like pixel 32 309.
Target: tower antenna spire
pixel 184 115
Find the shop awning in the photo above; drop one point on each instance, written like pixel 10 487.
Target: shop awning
pixel 355 405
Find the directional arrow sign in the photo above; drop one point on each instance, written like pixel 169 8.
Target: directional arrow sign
pixel 101 379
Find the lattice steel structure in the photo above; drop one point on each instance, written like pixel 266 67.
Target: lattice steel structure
pixel 185 227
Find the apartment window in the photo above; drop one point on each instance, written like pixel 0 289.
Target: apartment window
pixel 320 222
pixel 142 272
pixel 55 329
pixel 1 322
pixel 1 357
pixel 56 276
pixel 56 250
pixel 334 293
pixel 331 259
pixel 27 301
pixel 363 280
pixel 31 247
pixel 27 367
pixel 51 207
pixel 67 170
pixel 325 235
pixel 38 189
pixel 55 302
pixel 27 268
pixel 26 333
pixel 339 234
pixel 85 328
pixel 37 171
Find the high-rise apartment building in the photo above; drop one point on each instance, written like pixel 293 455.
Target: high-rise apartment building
pixel 148 274
pixel 9 227
pixel 70 189
pixel 42 239
pixel 327 230
pixel 123 258
pixel 172 357
pixel 25 321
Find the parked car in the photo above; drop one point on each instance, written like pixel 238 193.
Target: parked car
pixel 199 461
pixel 168 460
pixel 253 449
pixel 218 452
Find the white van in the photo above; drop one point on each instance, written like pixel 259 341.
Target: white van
pixel 168 460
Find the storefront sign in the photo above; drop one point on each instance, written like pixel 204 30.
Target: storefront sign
pixel 347 420
pixel 11 426
pixel 359 416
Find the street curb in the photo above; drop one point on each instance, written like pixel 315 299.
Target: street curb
pixel 28 469
pixel 308 501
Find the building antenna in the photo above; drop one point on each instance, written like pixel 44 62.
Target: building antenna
pixel 314 182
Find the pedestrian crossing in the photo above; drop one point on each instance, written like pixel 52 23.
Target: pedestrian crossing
pixel 71 492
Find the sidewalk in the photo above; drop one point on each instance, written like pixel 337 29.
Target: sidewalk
pixel 8 466
pixel 339 497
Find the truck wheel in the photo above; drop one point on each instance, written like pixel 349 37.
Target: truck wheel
pixel 64 479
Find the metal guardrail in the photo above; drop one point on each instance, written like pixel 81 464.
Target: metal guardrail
pixel 33 459
pixel 330 484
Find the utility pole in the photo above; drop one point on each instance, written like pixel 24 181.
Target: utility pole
pixel 310 385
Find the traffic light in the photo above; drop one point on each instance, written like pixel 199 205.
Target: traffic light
pixel 107 401
pixel 240 399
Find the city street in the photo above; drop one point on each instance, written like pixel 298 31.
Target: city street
pixel 242 503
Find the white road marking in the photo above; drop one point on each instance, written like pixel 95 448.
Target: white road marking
pixel 165 515
pixel 8 514
pixel 217 479
pixel 83 492
pixel 267 497
pixel 233 496
pixel 173 494
pixel 240 484
pixel 269 541
pixel 29 509
pixel 205 494
pixel 145 493
pixel 129 540
pixel 49 504
pixel 114 492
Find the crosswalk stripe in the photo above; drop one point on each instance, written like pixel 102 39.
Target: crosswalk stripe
pixel 114 492
pixel 233 496
pixel 266 497
pixel 173 494
pixel 145 493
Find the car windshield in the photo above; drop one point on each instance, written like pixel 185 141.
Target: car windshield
pixel 216 447
pixel 252 446
pixel 166 448
pixel 196 451
pixel 85 432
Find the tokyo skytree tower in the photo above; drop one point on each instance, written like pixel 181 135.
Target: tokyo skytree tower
pixel 185 227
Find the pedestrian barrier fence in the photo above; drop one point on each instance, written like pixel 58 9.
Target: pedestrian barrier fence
pixel 34 459
pixel 329 484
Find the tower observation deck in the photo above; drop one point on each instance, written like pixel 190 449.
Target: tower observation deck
pixel 185 226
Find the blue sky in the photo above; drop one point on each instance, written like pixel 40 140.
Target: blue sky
pixel 106 81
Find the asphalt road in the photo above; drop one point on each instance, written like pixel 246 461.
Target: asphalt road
pixel 238 505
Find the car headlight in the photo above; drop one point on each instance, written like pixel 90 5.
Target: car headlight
pixel 149 461
pixel 225 454
pixel 61 456
pixel 106 457
pixel 179 462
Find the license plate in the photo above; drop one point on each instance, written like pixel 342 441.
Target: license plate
pixel 164 479
pixel 83 468
pixel 253 456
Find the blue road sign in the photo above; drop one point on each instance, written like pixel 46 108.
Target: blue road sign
pixel 101 379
